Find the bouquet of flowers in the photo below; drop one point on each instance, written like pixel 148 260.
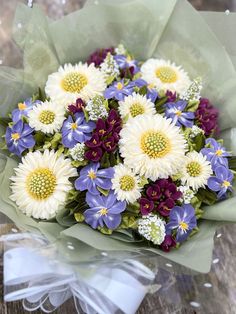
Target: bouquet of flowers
pixel 116 150
pixel 119 144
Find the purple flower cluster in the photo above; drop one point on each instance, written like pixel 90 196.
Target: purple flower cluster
pixel 160 196
pixel 221 182
pixel 118 90
pixel 104 210
pixel 77 107
pixel 152 93
pixel 76 130
pixel 125 62
pixel 23 109
pixel 207 117
pixel 105 137
pixel 98 56
pixel 91 177
pixel 19 138
pixel 175 111
pixel 183 220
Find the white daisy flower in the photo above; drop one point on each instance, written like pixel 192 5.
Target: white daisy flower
pixel 165 75
pixel 152 228
pixel 126 184
pixel 73 82
pixel 196 170
pixel 46 117
pixel 41 184
pixel 152 146
pixel 135 105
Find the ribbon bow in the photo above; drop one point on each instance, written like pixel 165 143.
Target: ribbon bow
pixel 46 284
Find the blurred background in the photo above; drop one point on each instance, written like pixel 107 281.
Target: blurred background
pixel 9 54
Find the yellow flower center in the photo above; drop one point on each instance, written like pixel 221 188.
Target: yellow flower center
pixel 155 144
pixel 119 86
pixel 166 74
pixel 178 113
pixel 73 126
pixel 21 106
pixel 92 175
pixel 219 152
pixel 74 82
pixel 136 109
pixel 183 225
pixel 128 58
pixel 127 183
pixel 226 184
pixel 41 183
pixel 15 136
pixel 151 86
pixel 194 169
pixel 47 117
pixel 103 211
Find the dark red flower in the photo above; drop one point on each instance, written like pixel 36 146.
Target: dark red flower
pixel 171 97
pixel 165 207
pixel 94 141
pixel 77 107
pixel 153 192
pixel 109 144
pixel 98 56
pixel 207 116
pixel 164 194
pixel 168 243
pixel 146 206
pixel 113 119
pixel 94 154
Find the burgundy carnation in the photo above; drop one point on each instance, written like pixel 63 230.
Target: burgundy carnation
pixel 168 243
pixel 98 56
pixel 207 116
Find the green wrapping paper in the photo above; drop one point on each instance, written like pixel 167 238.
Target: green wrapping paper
pixel 168 29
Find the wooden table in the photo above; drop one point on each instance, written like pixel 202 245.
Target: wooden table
pixel 220 298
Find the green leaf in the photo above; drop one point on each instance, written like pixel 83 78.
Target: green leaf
pixel 102 191
pixel 192 105
pixel 105 230
pixel 4 121
pixel 159 104
pixel 85 114
pixel 79 217
pixel 128 222
pixel 133 208
pixel 77 163
pixel 206 196
pixel 143 90
pixel 232 162
pixel 105 161
pixel 110 79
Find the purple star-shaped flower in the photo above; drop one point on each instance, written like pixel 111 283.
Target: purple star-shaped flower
pixel 19 138
pixel 76 131
pixel 175 111
pixel 216 153
pixel 125 62
pixel 23 109
pixel 222 182
pixel 152 93
pixel 119 90
pixel 90 177
pixel 183 220
pixel 103 210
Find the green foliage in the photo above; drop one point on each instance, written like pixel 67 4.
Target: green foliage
pixel 206 196
pixel 192 105
pixel 128 222
pixel 159 104
pixel 4 121
pixel 105 230
pixel 195 143
pixel 232 162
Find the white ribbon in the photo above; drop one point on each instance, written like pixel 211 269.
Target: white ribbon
pixel 45 284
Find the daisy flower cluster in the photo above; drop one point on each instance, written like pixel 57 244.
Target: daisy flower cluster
pixel 118 144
